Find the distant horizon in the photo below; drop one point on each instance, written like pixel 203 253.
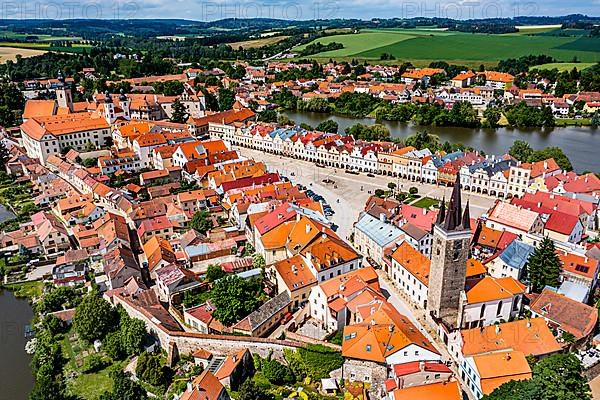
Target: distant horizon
pixel 207 11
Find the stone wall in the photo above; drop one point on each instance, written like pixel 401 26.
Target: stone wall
pixel 188 342
pixel 368 372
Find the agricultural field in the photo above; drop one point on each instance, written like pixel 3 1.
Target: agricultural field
pixel 40 47
pixel 255 43
pixel 432 44
pixel 10 53
pixel 564 66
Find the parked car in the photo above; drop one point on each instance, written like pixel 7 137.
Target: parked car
pixel 370 175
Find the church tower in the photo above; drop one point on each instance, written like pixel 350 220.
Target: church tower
pixel 64 97
pixel 449 255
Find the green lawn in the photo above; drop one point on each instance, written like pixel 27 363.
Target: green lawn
pixel 432 44
pixel 26 289
pixel 91 386
pixel 573 122
pixel 426 202
pixel 564 66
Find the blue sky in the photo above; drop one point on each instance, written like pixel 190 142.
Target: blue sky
pixel 294 9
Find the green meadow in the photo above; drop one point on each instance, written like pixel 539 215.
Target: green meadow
pixel 432 44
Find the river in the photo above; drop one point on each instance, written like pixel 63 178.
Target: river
pixel 16 380
pixel 578 143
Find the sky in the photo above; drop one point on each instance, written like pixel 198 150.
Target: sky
pixel 202 10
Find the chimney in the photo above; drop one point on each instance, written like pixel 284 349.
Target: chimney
pixel 528 323
pixel 497 329
pixel 307 228
pixel 508 357
pixel 421 366
pixel 382 217
pixel 545 164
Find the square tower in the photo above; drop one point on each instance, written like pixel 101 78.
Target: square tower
pixel 449 255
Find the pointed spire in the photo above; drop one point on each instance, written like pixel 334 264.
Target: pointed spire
pixel 442 213
pixel 466 219
pixel 454 214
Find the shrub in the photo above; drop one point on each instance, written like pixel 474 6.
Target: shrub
pixel 93 363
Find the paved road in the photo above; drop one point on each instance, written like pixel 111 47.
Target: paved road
pixel 353 190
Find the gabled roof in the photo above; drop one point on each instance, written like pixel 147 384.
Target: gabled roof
pixel 382 334
pixel 516 254
pixel 571 316
pixel 513 216
pixel 534 338
pixel 491 289
pixel 205 386
pixel 497 368
pixel 435 391
pixel 295 273
pixel 413 261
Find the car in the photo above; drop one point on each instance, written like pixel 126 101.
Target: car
pixel 370 175
pixel 350 171
pixel 334 227
pixel 286 318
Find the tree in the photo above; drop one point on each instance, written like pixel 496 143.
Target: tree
pixel 249 391
pixel 285 121
pixel 214 272
pixel 423 140
pixel 112 346
pixel 277 373
pixel 4 155
pixel 595 120
pixel 201 222
pixel 552 152
pixel 93 317
pixel 124 388
pixel 329 126
pixel 268 116
pixel 560 376
pixel 521 150
pixel 179 113
pixel 150 369
pixel 234 299
pixel 492 116
pixel 226 99
pixel 89 146
pixel 56 299
pixel 391 186
pixel 258 261
pixel 557 377
pixel 515 390
pixel 132 335
pixel 543 266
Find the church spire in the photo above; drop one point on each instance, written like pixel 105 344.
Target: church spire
pixel 442 213
pixel 454 214
pixel 466 220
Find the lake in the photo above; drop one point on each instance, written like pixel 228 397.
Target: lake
pixel 16 380
pixel 578 143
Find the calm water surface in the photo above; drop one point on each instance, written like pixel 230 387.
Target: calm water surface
pixel 16 380
pixel 580 144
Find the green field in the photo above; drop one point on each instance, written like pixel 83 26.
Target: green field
pixel 564 66
pixel 432 44
pixel 45 46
